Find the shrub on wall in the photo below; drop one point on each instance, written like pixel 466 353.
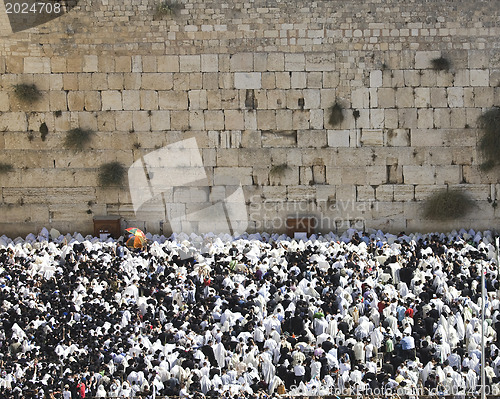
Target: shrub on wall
pixel 447 204
pixel 77 139
pixel 166 8
pixel 27 93
pixel 440 64
pixel 5 168
pixel 111 174
pixel 336 115
pixel 489 144
pixel 278 170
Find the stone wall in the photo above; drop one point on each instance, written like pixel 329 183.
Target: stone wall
pixel 253 82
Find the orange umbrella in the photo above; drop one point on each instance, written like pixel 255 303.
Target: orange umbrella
pixel 137 239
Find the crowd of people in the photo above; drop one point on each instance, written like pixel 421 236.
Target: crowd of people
pixel 252 316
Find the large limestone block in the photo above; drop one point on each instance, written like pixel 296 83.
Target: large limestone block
pixel 376 175
pixel 232 176
pixel 320 61
pixel 376 118
pixel 405 97
pixel 398 137
pixel 173 100
pixel 319 174
pixel 298 80
pixel 266 119
pixel 157 81
pixel 227 157
pixel 214 120
pixel 455 97
pixel 422 97
pixel 168 63
pixel 24 213
pixel 365 193
pixel 295 62
pixel 376 78
pixel 254 157
pixel 301 193
pixel 479 77
pixel 111 100
pixel 131 99
pixel 179 120
pixel 241 62
pixel 372 137
pixel 407 118
pixel 13 122
pixel 275 62
pixel 360 98
pixel 346 194
pixel 37 65
pixel 209 63
pixel 234 120
pixel 404 192
pixel 301 120
pixel 425 118
pixel 438 97
pixel 191 194
pixel 448 174
pixel 419 174
pixel 424 191
pixel 353 175
pixel 251 139
pixel 442 118
pixel 247 80
pixel 316 119
pixel 338 138
pixel 311 138
pixel 189 63
pixel 196 120
pixel 423 59
pixel 149 100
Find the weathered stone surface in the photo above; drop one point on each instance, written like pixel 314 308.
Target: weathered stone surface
pixel 254 91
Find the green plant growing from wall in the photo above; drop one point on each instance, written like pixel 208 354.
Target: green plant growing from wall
pixel 336 115
pixel 27 93
pixel 166 8
pixel 5 168
pixel 78 139
pixel 111 174
pixel 489 143
pixel 440 64
pixel 278 170
pixel 447 204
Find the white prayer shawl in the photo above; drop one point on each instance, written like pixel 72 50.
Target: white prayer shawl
pixel 471 381
pixel 268 369
pixel 320 326
pixel 205 384
pixel 453 339
pixel 101 392
pixel 332 327
pixel 315 369
pixel 459 326
pixel 403 290
pixel 375 317
pixel 424 374
pixel 377 338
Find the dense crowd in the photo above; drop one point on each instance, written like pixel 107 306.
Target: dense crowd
pixel 254 316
